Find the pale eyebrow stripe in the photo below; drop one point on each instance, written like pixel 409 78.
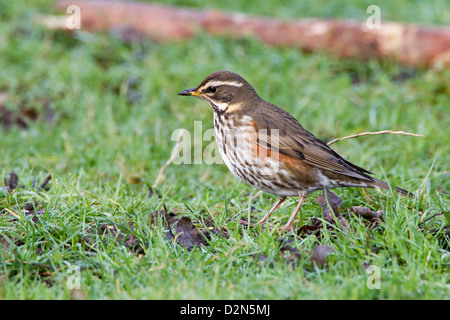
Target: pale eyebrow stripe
pixel 222 83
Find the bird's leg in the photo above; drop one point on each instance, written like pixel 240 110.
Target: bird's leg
pixel 288 225
pixel 276 205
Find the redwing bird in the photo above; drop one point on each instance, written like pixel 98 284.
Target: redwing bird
pixel 267 148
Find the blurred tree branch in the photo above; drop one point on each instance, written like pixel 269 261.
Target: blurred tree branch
pixel 411 45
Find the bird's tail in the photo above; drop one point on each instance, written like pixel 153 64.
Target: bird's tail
pixel 384 185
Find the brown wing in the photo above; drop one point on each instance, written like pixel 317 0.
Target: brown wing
pixel 296 142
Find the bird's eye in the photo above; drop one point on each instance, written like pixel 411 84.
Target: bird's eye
pixel 211 89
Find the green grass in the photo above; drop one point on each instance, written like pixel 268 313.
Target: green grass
pixel 115 106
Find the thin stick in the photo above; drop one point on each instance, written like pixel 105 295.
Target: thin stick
pixel 47 179
pixel 174 153
pixel 429 218
pixel 166 216
pixel 256 195
pixel 375 133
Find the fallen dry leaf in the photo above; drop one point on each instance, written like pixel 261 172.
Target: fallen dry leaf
pixel 21 117
pixel 112 232
pixel 367 213
pixel 290 254
pixel 329 204
pixel 11 183
pixel 186 234
pixel 331 217
pixel 319 254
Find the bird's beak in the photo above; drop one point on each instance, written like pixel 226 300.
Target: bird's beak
pixel 189 92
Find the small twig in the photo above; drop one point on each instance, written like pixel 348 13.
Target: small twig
pixel 256 195
pixel 245 223
pixel 166 215
pixel 12 212
pixel 47 179
pixel 175 151
pixel 375 133
pixel 429 218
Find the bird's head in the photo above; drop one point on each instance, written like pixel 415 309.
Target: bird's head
pixel 224 91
